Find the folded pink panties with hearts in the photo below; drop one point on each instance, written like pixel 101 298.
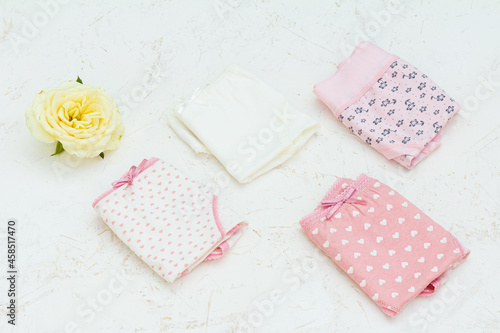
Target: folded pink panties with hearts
pixel 388 246
pixel 168 220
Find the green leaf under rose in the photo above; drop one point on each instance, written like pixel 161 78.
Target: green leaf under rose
pixel 59 149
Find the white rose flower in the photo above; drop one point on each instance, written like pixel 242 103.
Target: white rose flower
pixel 83 118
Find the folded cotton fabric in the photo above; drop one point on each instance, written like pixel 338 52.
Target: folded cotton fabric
pixel 167 219
pixel 388 103
pixel 388 246
pixel 248 126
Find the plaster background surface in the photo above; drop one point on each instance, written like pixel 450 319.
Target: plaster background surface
pixel 153 54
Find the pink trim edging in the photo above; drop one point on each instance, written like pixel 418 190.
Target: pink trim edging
pixel 218 252
pixel 221 249
pixel 431 288
pixel 215 208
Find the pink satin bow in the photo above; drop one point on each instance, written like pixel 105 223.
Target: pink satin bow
pixel 132 173
pixel 334 204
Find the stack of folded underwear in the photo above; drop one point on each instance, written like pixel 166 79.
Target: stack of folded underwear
pixel 248 126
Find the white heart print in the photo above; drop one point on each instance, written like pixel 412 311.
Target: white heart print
pixel 393 279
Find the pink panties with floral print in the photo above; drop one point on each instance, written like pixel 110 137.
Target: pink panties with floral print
pixel 172 223
pixel 388 246
pixel 389 104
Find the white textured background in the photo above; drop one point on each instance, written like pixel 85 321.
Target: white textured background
pixel 152 54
